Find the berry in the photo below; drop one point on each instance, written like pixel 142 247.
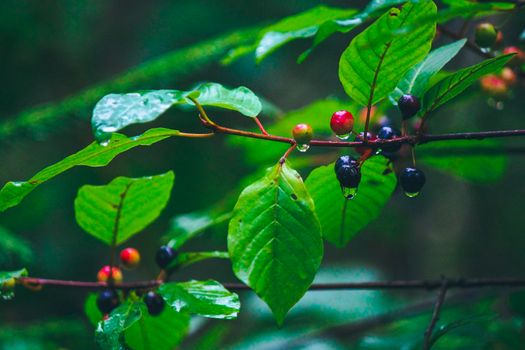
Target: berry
pixel 349 176
pixel 8 285
pixel 409 105
pixel 494 85
pixel 342 123
pixel 130 257
pixel 412 181
pixel 104 272
pixel 519 56
pixel 154 303
pixel 363 149
pixel 383 121
pixel 388 133
pixel 165 255
pixel 107 300
pixel 485 35
pixel 344 160
pixel 302 133
pixel 509 76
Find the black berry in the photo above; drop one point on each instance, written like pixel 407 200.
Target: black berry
pixel 388 133
pixel 154 303
pixel 165 255
pixel 107 300
pixel 344 160
pixel 409 105
pixel 412 181
pixel 349 176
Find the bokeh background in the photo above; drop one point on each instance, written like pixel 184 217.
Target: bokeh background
pixel 52 49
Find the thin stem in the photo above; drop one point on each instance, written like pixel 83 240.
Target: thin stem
pixel 260 126
pixel 115 233
pixel 287 153
pixel 435 314
pixel 413 149
pixel 201 111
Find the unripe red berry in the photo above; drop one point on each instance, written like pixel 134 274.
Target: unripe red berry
pixel 130 257
pixel 509 76
pixel 519 56
pixel 342 122
pixel 105 271
pixel 485 35
pixel 302 133
pixel 494 85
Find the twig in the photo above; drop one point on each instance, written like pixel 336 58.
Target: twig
pixel 260 126
pixel 435 314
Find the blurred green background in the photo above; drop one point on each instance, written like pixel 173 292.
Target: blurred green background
pixel 53 49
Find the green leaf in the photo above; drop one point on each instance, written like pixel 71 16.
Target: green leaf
pixel 454 84
pixel 205 298
pixel 115 212
pixel 274 239
pixel 341 219
pixel 186 259
pixel 376 59
pixel 13 248
pixel 472 9
pixel 110 332
pixel 91 309
pixel 6 292
pixel 94 155
pixel 116 111
pixel 416 81
pixel 479 161
pixel 162 332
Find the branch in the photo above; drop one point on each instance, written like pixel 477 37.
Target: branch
pixel 435 314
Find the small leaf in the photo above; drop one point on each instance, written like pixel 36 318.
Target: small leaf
pixel 341 219
pixel 454 84
pixel 161 332
pixel 116 111
pixel 274 239
pixel 204 298
pixel 117 211
pixel 478 161
pixel 416 81
pixel 376 59
pixel 93 155
pixel 110 332
pixel 5 276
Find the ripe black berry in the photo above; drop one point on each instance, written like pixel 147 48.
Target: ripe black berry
pixel 154 303
pixel 412 181
pixel 409 105
pixel 107 300
pixel 388 133
pixel 344 160
pixel 165 255
pixel 349 176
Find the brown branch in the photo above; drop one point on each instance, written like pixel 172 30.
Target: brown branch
pixel 435 314
pixel 33 281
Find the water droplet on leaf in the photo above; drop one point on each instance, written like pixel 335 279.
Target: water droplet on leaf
pixel 303 147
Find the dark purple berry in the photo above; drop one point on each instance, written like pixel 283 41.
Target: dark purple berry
pixel 409 105
pixel 412 180
pixel 388 133
pixel 154 303
pixel 165 255
pixel 349 176
pixel 107 300
pixel 344 160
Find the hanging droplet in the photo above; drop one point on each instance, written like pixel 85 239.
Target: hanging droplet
pixel 102 138
pixel 412 195
pixel 485 49
pixel 104 143
pixel 497 104
pixel 343 137
pixel 303 147
pixel 349 192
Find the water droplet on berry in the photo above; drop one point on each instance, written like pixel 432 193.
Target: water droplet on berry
pixel 104 143
pixel 349 192
pixel 412 195
pixel 303 147
pixel 343 137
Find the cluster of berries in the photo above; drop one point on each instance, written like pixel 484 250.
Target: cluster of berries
pixel 347 169
pixel 109 299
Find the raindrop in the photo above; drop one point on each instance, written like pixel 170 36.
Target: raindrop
pixel 303 147
pixel 349 192
pixel 343 137
pixel 412 195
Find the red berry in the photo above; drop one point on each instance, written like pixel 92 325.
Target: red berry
pixel 494 85
pixel 342 122
pixel 130 257
pixel 509 76
pixel 302 133
pixel 104 272
pixel 519 58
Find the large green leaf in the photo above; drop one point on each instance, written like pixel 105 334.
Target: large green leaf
pixel 6 276
pixel 341 219
pixel 116 111
pixel 162 332
pixel 479 161
pixel 274 239
pixel 94 155
pixel 472 9
pixel 115 212
pixel 416 81
pixel 376 59
pixel 109 334
pixel 205 298
pixel 454 84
